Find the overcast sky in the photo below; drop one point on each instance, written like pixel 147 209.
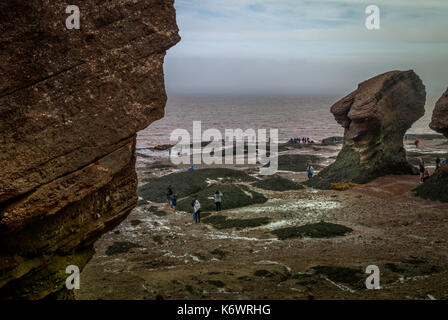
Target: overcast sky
pixel 304 46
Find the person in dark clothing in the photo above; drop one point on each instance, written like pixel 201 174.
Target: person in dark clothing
pixel 421 169
pixel 218 200
pixel 196 210
pixel 168 193
pixel 437 163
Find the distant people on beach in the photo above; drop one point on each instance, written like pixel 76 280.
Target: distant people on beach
pixel 218 200
pixel 168 193
pixel 196 209
pixel 310 171
pixel 303 140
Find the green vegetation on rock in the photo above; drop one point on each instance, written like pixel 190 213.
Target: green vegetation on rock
pixel 156 211
pixel 348 168
pixel 297 162
pixel 135 223
pixel 218 252
pixel 157 239
pixel 350 276
pixel 235 196
pixel 216 283
pixel 160 165
pixel 189 182
pixel 428 158
pixel 264 273
pixel 315 230
pixel 435 188
pixel 222 222
pixel 121 247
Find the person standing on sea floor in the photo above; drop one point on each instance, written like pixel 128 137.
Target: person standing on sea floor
pixel 174 202
pixel 168 193
pixel 196 209
pixel 437 163
pixel 218 200
pixel 416 142
pixel 310 171
pixel 421 167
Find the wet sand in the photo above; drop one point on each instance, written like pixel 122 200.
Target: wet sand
pixel 405 236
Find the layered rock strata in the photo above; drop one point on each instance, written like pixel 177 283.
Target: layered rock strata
pixel 439 120
pixel 375 118
pixel 71 103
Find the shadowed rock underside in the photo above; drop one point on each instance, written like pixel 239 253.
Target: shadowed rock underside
pixel 71 103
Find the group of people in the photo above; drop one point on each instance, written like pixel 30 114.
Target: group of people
pixel 171 199
pixel 302 140
pixel 424 173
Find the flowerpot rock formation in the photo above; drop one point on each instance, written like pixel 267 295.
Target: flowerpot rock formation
pixel 376 116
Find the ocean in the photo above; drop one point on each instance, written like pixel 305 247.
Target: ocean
pixel 293 116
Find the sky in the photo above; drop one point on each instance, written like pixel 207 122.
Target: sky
pixel 316 47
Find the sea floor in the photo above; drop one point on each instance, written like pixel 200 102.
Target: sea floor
pixel 167 256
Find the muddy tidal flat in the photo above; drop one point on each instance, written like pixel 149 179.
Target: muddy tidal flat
pixel 293 243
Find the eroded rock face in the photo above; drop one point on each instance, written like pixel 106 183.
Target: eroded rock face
pixel 71 102
pixel 375 117
pixel 439 121
pixel 435 187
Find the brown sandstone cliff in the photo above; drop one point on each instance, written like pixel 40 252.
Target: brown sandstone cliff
pixel 439 121
pixel 71 102
pixel 375 117
pixel 435 187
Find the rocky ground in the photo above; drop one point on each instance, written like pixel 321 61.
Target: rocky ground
pixel 298 244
